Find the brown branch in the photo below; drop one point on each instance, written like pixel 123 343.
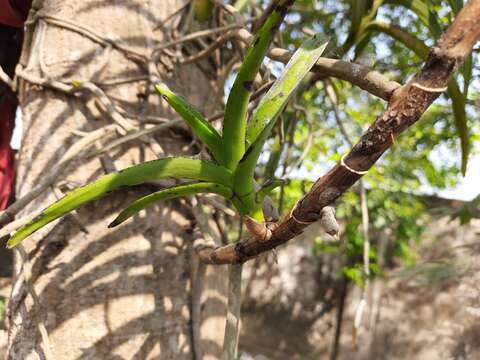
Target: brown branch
pixel 405 108
pixel 361 76
pixel 211 48
pixel 194 36
pixel 80 87
pixel 92 35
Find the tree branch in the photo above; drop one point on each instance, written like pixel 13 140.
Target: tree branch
pixel 361 76
pixel 405 108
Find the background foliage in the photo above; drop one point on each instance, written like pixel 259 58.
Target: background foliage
pixel 426 158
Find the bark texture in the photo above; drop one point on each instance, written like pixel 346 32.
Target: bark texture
pixel 122 293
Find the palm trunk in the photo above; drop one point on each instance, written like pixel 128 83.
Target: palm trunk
pixel 103 293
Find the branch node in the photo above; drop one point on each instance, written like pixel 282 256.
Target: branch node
pixel 342 163
pixel 301 221
pixel 429 89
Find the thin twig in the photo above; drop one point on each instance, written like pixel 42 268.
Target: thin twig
pixel 232 325
pixel 211 48
pixel 138 134
pixel 339 318
pixel 193 36
pixel 111 109
pixel 80 86
pixel 92 35
pixel 42 329
pixel 172 15
pixel 363 303
pixel 361 76
pixel 232 11
pixel 121 80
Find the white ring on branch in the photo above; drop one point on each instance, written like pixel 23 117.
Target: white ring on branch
pixel 342 163
pixel 300 221
pixel 293 216
pixel 429 89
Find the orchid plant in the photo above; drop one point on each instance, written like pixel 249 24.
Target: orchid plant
pixel 235 152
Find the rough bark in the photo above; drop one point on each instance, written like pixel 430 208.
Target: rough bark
pixel 122 293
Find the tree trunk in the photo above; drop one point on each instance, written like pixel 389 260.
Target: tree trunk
pixel 122 293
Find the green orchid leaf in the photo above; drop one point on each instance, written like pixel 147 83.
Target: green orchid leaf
pixel 361 12
pixel 197 122
pixel 268 187
pixel 180 168
pixel 235 120
pixel 358 11
pixel 171 193
pixel 274 101
pixel 409 40
pixel 274 159
pixel 466 69
pixel 272 105
pixel 461 122
pixel 427 15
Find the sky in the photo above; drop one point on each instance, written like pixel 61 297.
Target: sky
pixel 468 187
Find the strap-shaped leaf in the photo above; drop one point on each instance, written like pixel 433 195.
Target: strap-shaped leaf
pixel 268 187
pixel 272 105
pixel 362 12
pixel 171 193
pixel 466 69
pixel 358 11
pixel 235 120
pixel 197 122
pixel 461 122
pixel 146 172
pixel 423 9
pixel 274 101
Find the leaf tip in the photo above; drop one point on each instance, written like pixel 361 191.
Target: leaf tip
pixel 114 223
pixel 11 243
pixel 161 88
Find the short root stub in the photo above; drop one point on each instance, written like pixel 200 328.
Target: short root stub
pixel 261 231
pixel 328 222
